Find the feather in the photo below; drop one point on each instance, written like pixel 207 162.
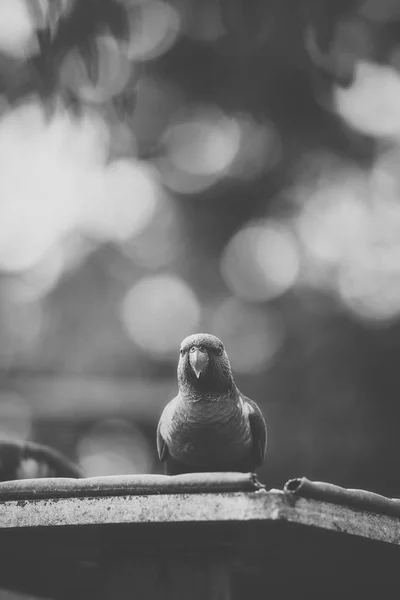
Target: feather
pixel 162 447
pixel 258 430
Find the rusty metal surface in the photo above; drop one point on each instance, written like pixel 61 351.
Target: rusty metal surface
pixel 328 492
pixel 116 485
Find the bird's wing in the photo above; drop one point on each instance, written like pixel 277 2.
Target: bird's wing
pixel 258 429
pixel 162 447
pixel 162 429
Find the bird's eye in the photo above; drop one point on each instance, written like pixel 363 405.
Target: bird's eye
pixel 220 350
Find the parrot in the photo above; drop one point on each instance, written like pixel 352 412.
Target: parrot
pixel 29 460
pixel 210 426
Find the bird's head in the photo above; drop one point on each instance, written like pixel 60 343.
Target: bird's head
pixel 204 364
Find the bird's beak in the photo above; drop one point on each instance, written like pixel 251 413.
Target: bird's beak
pixel 198 361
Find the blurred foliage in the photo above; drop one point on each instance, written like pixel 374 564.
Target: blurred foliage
pixel 174 166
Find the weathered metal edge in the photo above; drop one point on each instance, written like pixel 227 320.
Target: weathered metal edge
pixel 192 508
pixel 339 518
pixel 128 509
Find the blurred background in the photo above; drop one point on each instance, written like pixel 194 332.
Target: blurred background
pixel 173 166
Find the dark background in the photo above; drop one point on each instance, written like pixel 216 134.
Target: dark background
pixel 222 166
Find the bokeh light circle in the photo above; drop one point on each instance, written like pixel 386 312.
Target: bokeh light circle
pixel 203 144
pixel 372 103
pixel 17 29
pixel 261 261
pixel 124 200
pixel 114 447
pixel 333 218
pixel 60 160
pixel 158 312
pixel 370 294
pixel 251 336
pixel 155 26
pixel 349 228
pixel 200 147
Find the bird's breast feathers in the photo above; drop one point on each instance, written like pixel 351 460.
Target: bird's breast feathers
pixel 197 432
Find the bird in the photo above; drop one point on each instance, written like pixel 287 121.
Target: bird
pixel 210 426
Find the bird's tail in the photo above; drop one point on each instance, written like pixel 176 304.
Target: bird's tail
pixel 28 460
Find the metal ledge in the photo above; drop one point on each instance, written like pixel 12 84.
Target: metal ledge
pixel 202 536
pixel 222 507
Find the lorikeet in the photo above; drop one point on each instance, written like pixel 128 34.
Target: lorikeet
pixel 210 425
